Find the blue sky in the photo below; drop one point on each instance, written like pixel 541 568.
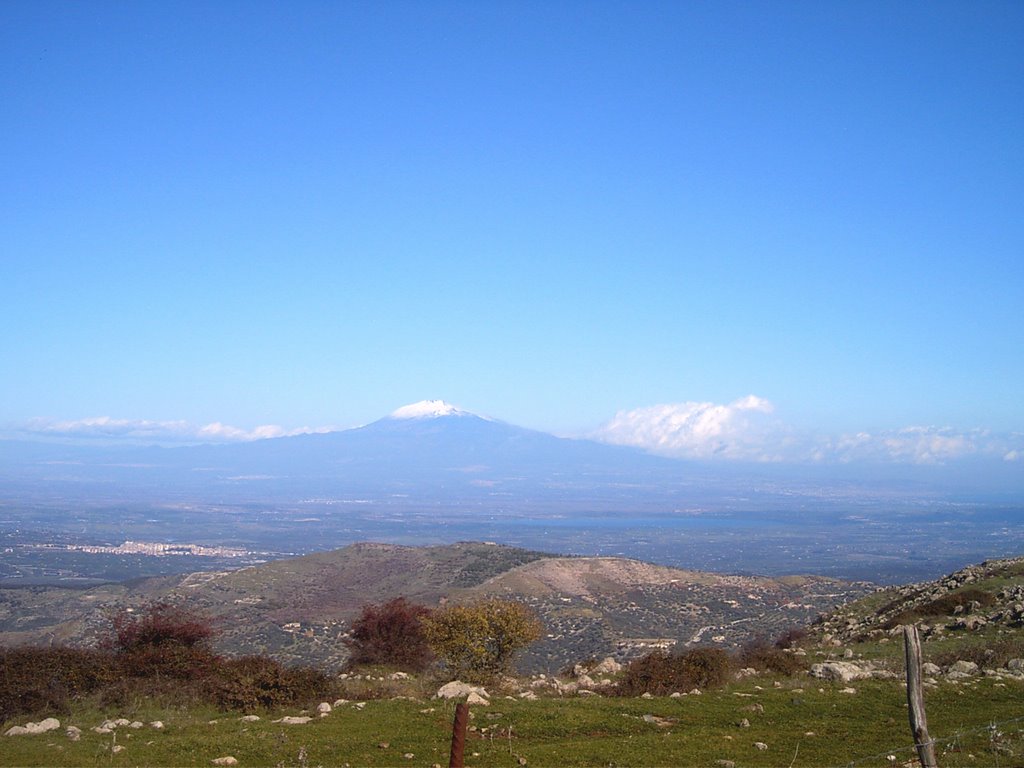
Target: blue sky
pixel 565 215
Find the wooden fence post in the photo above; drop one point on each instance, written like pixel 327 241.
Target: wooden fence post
pixel 915 698
pixel 455 760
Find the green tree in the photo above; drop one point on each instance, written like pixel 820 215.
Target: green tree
pixel 479 640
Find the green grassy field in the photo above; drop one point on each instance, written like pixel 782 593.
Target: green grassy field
pixel 803 723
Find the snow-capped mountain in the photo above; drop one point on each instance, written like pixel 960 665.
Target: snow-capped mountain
pixel 426 448
pixel 428 409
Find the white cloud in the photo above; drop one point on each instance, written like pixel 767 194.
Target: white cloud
pixel 141 430
pixel 745 430
pixel 739 430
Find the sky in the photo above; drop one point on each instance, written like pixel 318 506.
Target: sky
pixel 743 229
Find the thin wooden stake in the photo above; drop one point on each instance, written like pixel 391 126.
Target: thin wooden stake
pixel 455 760
pixel 915 698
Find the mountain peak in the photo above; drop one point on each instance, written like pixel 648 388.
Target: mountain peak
pixel 428 409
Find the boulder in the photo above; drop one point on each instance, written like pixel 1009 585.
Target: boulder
pixel 73 732
pixel 31 729
pixel 843 671
pixel 964 668
pixel 476 699
pixel 457 689
pixel 607 666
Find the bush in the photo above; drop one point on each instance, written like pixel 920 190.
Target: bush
pixel 48 680
pixel 258 682
pixel 662 674
pixel 391 634
pixel 158 625
pixel 769 658
pixel 790 638
pixel 480 640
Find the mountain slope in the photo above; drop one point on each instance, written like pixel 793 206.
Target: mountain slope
pixel 298 609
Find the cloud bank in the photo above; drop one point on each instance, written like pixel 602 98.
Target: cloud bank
pixel 746 430
pixel 140 430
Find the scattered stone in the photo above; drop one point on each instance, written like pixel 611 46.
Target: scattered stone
pixel 73 732
pixel 408 755
pixel 117 748
pixel 359 705
pixel 744 723
pixel 607 666
pixel 383 745
pixel 102 729
pixel 340 702
pixel 31 729
pixel 528 695
pixel 399 676
pixel 159 724
pixel 843 671
pixel 457 689
pixel 931 670
pixel 293 720
pixel 226 760
pixel 964 667
pixel 136 724
pixel 760 746
pixel 646 695
pixel 323 708
pixel 848 690
pixel 848 653
pixel 477 699
pixel 521 761
pixel 759 708
pixel 725 764
pixel 249 718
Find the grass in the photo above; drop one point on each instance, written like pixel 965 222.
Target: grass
pixel 803 722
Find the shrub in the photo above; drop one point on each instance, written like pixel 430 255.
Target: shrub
pixel 258 682
pixel 661 674
pixel 391 634
pixel 763 657
pixel 480 640
pixel 37 680
pixel 158 624
pixel 790 638
pixel 162 640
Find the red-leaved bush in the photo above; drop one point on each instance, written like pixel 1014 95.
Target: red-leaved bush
pixel 391 634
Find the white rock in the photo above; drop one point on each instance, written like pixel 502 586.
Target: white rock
pixel 528 695
pixel 477 699
pixel 323 708
pixel 117 748
pixel 73 732
pixel 249 718
pixel 157 724
pixel 457 689
pixel 760 745
pixel 226 760
pixel 844 671
pixel 293 720
pixel 102 729
pixel 964 667
pixel 607 666
pixel 135 724
pixel 31 729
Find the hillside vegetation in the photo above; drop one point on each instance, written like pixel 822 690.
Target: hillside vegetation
pixel 829 695
pixel 299 610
